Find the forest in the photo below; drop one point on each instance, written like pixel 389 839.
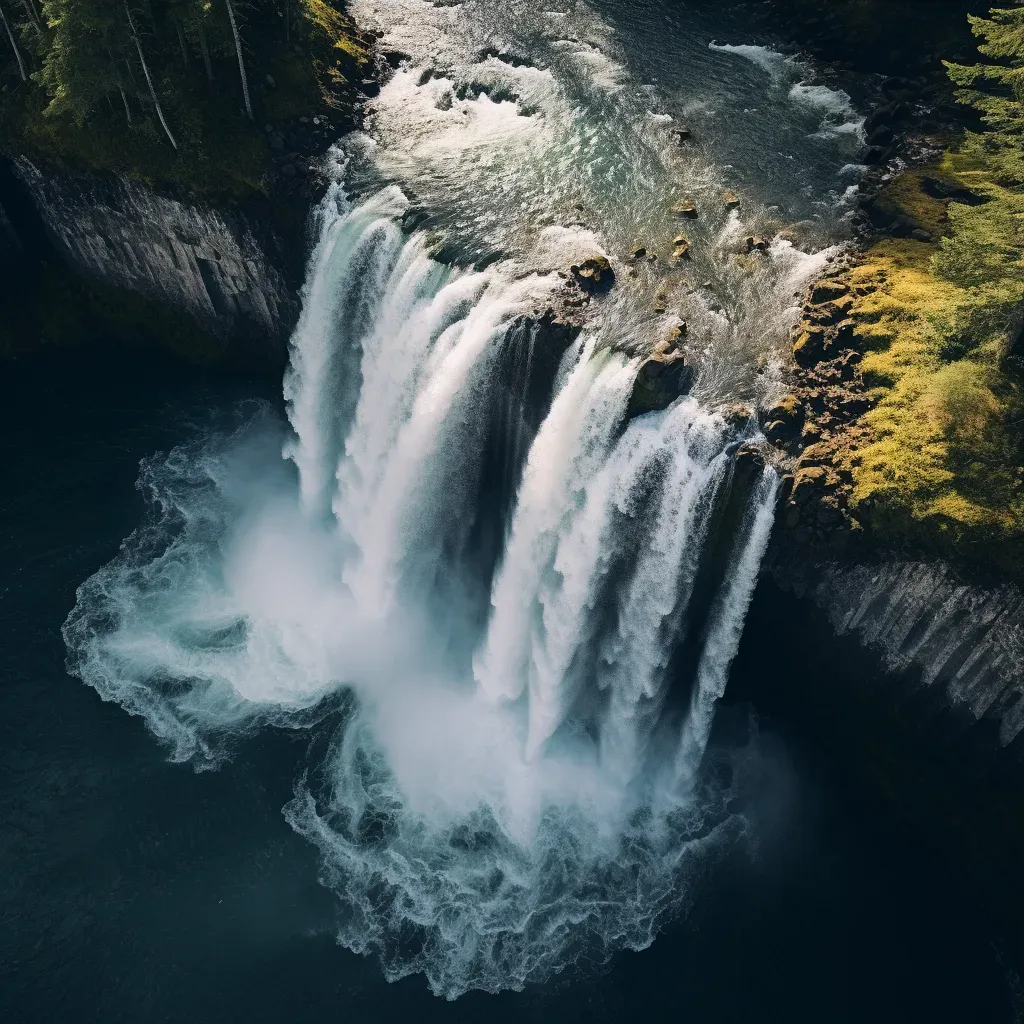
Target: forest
pixel 172 91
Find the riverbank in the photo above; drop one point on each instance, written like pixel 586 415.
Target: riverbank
pixel 905 425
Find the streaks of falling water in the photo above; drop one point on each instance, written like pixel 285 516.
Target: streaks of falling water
pixel 498 786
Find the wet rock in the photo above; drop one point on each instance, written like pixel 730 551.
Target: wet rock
pixel 594 274
pixel 755 243
pixel 413 218
pixel 683 135
pixel 679 332
pixel 750 458
pixel 737 415
pixel 789 409
pixel 685 209
pixel 882 137
pixel 784 421
pixel 731 200
pixel 810 346
pixel 807 481
pixel 828 291
pixel 663 378
pixel 639 253
pixel 681 250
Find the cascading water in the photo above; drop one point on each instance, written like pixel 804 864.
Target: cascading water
pixel 506 767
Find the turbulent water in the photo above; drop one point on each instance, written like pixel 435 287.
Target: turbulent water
pixel 514 607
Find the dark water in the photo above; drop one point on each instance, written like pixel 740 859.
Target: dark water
pixel 132 889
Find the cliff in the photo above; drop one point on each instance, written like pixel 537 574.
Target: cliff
pixel 221 268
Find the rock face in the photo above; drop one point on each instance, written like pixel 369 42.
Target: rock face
pixel 221 269
pixel 10 245
pixel 661 380
pixel 961 645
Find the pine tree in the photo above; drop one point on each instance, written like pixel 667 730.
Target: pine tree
pixel 14 45
pixel 996 91
pixel 241 59
pixel 149 78
pixel 77 70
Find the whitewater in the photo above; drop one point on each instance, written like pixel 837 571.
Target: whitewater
pixel 502 606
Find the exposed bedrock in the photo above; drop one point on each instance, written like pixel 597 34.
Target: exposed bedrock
pixel 224 269
pixel 949 652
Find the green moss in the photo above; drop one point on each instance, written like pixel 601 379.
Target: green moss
pixel 221 154
pixel 943 468
pixel 905 197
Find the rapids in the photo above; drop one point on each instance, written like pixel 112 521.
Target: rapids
pixel 517 773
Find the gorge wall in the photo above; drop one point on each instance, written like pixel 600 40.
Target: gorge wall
pixel 222 268
pixel 944 656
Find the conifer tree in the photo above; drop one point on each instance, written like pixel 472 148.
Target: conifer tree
pixel 149 78
pixel 996 91
pixel 241 59
pixel 14 45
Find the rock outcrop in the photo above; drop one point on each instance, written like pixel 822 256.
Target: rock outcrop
pixel 954 650
pixel 662 378
pixel 220 268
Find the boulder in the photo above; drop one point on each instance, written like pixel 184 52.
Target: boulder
pixel 685 209
pixel 784 421
pixel 663 378
pixel 750 458
pixel 639 253
pixel 828 291
pixel 731 200
pixel 594 274
pixel 810 346
pixel 807 481
pixel 737 415
pixel 755 243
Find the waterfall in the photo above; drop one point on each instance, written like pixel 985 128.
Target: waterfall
pixel 502 609
pixel 493 766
